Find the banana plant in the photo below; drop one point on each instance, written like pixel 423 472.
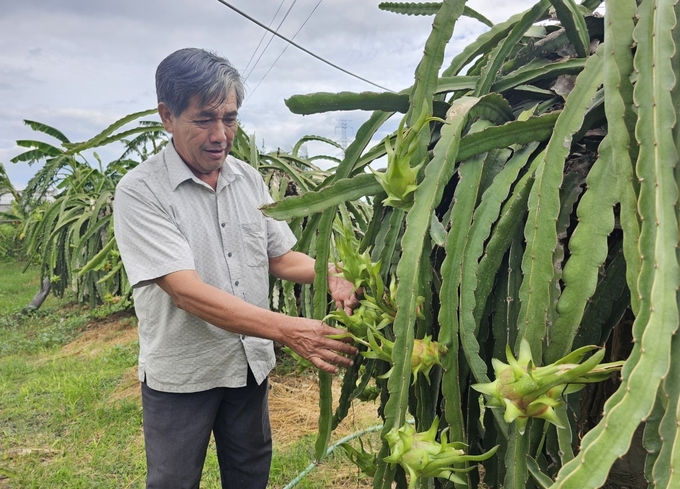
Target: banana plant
pixel 538 221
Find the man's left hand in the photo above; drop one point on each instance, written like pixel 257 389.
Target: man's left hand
pixel 342 291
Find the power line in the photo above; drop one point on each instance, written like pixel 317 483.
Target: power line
pixel 226 4
pixel 285 48
pixel 264 34
pixel 271 39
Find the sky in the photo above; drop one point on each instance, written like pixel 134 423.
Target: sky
pixel 79 65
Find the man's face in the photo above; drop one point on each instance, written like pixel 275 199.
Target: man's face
pixel 203 135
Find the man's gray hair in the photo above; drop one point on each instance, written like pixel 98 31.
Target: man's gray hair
pixel 189 72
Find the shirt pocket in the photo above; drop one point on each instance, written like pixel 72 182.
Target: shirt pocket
pixel 254 243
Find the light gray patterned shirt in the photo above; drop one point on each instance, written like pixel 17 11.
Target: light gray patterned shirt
pixel 168 220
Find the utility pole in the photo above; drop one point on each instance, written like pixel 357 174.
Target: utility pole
pixel 343 125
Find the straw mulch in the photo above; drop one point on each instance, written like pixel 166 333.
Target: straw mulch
pixel 294 409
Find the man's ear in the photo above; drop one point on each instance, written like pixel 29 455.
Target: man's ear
pixel 167 117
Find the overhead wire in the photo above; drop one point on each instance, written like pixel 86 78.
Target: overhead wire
pixel 270 40
pixel 255 21
pixel 285 48
pixel 264 34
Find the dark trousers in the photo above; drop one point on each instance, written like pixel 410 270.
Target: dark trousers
pixel 177 430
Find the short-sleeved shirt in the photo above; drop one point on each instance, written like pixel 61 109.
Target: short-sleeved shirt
pixel 167 220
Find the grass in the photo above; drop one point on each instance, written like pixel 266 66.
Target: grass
pixel 17 288
pixel 59 427
pixel 70 413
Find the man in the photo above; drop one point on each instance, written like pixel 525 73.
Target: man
pixel 198 253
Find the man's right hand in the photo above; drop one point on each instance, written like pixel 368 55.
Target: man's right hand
pixel 309 338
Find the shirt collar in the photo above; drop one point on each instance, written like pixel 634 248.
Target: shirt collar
pixel 179 172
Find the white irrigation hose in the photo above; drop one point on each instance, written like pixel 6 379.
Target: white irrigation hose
pixel 330 450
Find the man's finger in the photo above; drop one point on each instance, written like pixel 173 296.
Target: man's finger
pixel 323 366
pixel 342 346
pixel 340 360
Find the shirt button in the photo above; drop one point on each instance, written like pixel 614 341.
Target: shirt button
pixel 223 224
pixel 243 337
pixel 236 283
pixel 229 254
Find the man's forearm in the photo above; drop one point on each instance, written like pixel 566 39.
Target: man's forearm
pixel 220 308
pixel 294 267
pixel 307 337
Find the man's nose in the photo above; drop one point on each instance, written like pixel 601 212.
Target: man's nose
pixel 219 131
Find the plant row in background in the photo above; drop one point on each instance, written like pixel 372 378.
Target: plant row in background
pixel 527 219
pixel 63 219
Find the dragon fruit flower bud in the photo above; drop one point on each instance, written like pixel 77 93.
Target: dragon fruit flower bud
pixel 523 390
pixel 420 455
pixel 426 354
pixel 400 181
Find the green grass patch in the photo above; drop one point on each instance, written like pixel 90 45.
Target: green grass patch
pixel 18 286
pixel 60 426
